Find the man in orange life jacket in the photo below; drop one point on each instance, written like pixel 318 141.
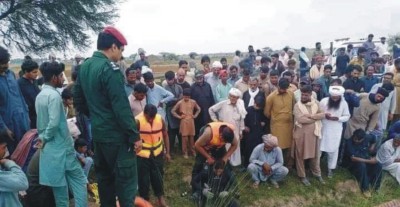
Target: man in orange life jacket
pixel 154 136
pixel 210 145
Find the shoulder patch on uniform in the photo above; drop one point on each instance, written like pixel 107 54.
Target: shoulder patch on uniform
pixel 114 66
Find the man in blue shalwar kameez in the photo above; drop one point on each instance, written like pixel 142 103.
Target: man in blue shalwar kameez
pixel 58 166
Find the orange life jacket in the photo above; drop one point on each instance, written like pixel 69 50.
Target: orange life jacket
pixel 151 136
pixel 216 140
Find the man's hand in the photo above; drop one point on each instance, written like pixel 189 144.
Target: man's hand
pixel 334 118
pixel 183 116
pixel 210 160
pixel 168 157
pixel 10 134
pixel 3 161
pixel 138 146
pixel 39 144
pixel 267 169
pixel 160 105
pixel 225 159
pixel 246 129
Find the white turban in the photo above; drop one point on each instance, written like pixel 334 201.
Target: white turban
pixel 258 58
pixel 270 140
pixel 146 69
pixel 235 92
pixel 336 90
pixel 217 64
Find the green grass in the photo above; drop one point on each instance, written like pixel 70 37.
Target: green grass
pixel 342 190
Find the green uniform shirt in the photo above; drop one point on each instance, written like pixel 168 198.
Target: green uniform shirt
pixel 99 93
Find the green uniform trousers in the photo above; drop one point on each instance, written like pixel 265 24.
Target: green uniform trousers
pixel 115 165
pixel 151 171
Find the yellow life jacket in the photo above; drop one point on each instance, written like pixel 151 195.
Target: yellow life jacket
pixel 216 140
pixel 151 136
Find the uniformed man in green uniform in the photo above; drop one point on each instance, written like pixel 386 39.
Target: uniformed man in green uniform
pixel 99 93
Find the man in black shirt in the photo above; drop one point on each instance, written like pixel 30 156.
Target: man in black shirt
pixel 341 62
pixel 354 84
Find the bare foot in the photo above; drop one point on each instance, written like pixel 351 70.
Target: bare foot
pixel 161 202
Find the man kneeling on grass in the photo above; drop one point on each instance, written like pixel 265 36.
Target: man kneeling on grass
pixel 266 162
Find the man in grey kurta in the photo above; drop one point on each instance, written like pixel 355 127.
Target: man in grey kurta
pixel 58 166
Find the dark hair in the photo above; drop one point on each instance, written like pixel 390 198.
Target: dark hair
pixel 361 50
pixel 326 67
pixel 223 59
pixel 182 62
pixel 397 61
pixel 129 70
pixel 246 73
pixel 265 60
pixel 50 69
pixel 219 164
pixel 357 67
pixel 285 49
pixel 28 66
pixel 359 133
pixel 306 89
pixel 283 83
pixel 227 133
pixel 303 49
pixel 148 76
pixel 275 55
pixel 4 56
pixel 291 62
pixel 388 87
pixel 274 73
pixel 258 51
pixel 237 52
pixel 233 67
pixel 389 73
pixel 169 75
pixel 205 58
pixel 74 74
pixel 264 69
pixel 105 41
pixel 80 143
pixel 140 88
pixel 150 110
pixel 350 46
pixel 260 101
pixel 287 73
pixel 27 57
pixel 370 66
pixel 378 60
pixel 187 92
pixel 4 137
pixel 136 66
pixel 66 94
pixel 337 80
pixel 317 43
pixel 342 49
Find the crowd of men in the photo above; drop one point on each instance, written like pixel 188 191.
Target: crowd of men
pixel 266 115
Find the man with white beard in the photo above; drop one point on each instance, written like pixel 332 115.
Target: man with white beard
pixel 336 113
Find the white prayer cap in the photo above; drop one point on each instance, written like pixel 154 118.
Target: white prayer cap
pixel 235 92
pixel 336 90
pixel 385 53
pixel 141 51
pixel 78 56
pixel 258 58
pixel 217 64
pixel 291 50
pixel 146 69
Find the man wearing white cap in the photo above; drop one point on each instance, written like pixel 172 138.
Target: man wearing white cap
pixel 213 77
pixel 336 113
pixel 231 111
pixel 266 162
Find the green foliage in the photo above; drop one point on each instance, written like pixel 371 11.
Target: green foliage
pixel 39 26
pixel 169 56
pixel 391 41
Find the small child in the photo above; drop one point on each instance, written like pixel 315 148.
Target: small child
pixel 81 149
pixel 184 110
pixel 68 102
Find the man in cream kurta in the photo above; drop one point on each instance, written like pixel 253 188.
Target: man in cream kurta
pixel 231 111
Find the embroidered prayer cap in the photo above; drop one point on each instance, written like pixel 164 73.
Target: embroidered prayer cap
pixel 270 140
pixel 336 90
pixel 235 92
pixel 115 33
pixel 217 64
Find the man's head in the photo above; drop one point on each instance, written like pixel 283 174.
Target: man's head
pixel 319 60
pixel 199 77
pixel 381 94
pixel 303 49
pixel 264 70
pixel 265 61
pixel 336 93
pixel 3 144
pixel 316 86
pixel 183 64
pixel 149 79
pixel 237 53
pixel 216 67
pixel 170 78
pixel 205 61
pixel 80 145
pixel 224 63
pixel 358 136
pixel 288 76
pixel 234 95
pixel 283 85
pixel 186 94
pixel 270 142
pixel 274 77
pixel 318 45
pixel 219 167
pixel 223 75
pixel 306 92
pixel 140 91
pixel 150 112
pixel 396 141
pixel 180 75
pixel 350 47
pixel 387 78
pixel 246 76
pixel 142 54
pixel 253 83
pixel 233 71
pixel 370 37
pixel 112 43
pixel 361 52
pixel 342 51
pixel 328 71
pixel 370 70
pixel 355 73
pixel 130 74
pixel 4 59
pixel 250 48
pixel 275 58
pixel 67 97
pixel 290 53
pixel 397 40
pixel 226 133
pixel 259 102
pixel 30 69
pixel 52 73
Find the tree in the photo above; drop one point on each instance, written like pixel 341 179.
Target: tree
pixel 39 26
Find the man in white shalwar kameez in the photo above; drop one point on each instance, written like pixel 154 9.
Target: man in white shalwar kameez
pixel 389 156
pixel 231 111
pixel 388 106
pixel 336 113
